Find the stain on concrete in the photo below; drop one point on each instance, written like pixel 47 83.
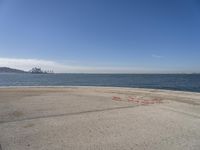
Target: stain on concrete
pixel 29 125
pixel 17 113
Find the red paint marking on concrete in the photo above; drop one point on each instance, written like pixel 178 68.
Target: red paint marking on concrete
pixel 116 98
pixel 151 102
pixel 131 99
pixel 157 100
pixel 139 101
pixel 144 102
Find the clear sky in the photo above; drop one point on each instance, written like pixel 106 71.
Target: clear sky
pixel 125 36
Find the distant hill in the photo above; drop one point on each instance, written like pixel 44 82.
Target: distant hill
pixel 10 70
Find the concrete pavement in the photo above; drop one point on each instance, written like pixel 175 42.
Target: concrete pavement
pixel 60 118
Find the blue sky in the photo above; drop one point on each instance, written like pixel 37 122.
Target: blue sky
pixel 120 36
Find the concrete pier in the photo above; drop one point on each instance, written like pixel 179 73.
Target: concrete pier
pixel 98 118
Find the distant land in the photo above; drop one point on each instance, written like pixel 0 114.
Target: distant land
pixel 35 70
pixel 10 70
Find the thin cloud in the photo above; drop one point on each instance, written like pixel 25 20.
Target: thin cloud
pixel 156 56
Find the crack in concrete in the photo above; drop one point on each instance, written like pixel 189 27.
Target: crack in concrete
pixel 68 114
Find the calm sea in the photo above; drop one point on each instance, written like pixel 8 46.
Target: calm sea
pixel 182 82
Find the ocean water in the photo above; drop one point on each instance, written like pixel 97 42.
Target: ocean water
pixel 181 82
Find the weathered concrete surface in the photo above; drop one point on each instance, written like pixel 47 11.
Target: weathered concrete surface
pixel 83 118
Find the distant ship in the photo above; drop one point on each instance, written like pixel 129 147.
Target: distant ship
pixel 37 70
